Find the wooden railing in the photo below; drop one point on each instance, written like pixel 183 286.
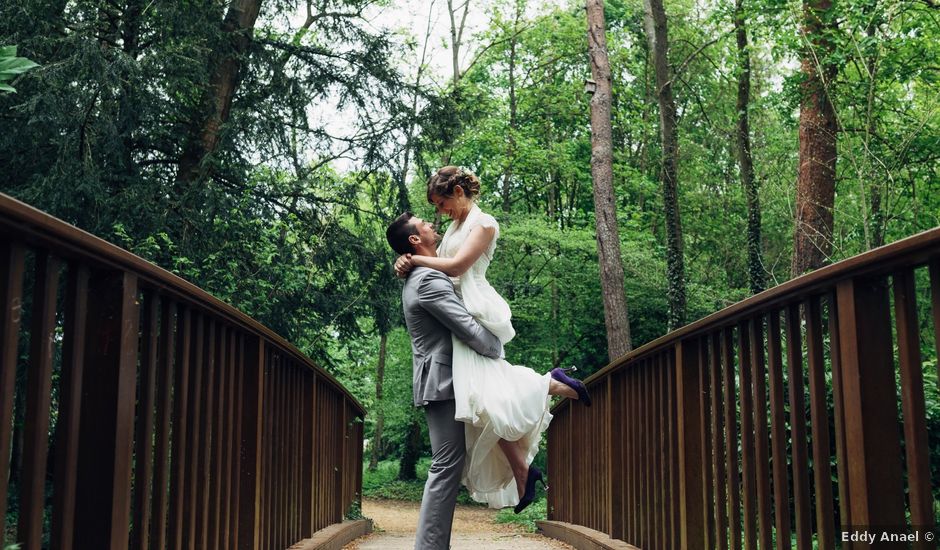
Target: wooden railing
pixel 771 423
pixel 152 414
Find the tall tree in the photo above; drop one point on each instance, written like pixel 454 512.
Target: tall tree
pixel 657 33
pixel 755 262
pixel 605 206
pixel 238 28
pixel 816 179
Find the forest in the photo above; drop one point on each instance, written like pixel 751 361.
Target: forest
pixel 258 149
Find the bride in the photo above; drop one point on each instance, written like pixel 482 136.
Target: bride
pixel 505 407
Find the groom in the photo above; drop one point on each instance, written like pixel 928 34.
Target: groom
pixel 433 313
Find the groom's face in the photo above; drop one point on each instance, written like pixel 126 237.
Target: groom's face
pixel 427 235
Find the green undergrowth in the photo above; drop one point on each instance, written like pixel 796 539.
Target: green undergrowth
pixel 535 512
pixel 383 483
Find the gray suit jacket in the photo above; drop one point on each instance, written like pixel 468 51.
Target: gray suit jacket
pixel 432 313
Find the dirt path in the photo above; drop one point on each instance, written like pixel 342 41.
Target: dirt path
pixel 474 529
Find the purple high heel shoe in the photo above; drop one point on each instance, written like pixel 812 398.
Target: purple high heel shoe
pixel 576 385
pixel 534 475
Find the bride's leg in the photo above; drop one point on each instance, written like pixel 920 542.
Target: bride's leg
pixel 557 388
pixel 516 457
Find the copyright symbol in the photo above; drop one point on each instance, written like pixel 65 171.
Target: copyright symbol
pixel 928 536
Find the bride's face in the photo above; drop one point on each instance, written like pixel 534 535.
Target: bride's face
pixel 455 207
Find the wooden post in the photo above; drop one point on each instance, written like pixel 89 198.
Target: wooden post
pixel 250 446
pixel 869 393
pixel 691 480
pixel 106 432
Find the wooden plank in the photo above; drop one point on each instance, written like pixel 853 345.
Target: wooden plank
pixel 161 478
pixel 143 439
pixel 871 423
pixel 237 448
pixel 693 532
pixel 207 426
pixel 916 446
pixel 845 511
pixel 798 429
pixel 11 300
pixel 615 457
pixel 822 472
pixel 181 408
pixel 659 394
pixel 675 534
pixel 761 453
pixel 708 489
pixel 70 402
pixel 746 400
pixel 38 402
pixel 731 440
pixel 228 445
pixel 935 306
pixel 217 465
pixel 107 417
pixel 249 498
pixel 778 434
pixel 196 434
pixel 717 423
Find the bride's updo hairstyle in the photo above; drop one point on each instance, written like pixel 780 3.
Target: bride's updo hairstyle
pixel 443 182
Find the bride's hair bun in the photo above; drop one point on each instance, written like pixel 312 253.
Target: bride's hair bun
pixel 443 181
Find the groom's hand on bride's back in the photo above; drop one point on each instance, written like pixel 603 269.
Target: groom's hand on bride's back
pixel 403 265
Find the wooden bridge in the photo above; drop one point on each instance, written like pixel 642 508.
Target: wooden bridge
pixel 159 417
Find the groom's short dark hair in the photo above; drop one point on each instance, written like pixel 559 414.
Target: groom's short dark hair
pixel 399 231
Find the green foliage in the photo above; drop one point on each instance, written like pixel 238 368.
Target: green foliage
pixel 537 511
pixel 383 483
pixel 12 66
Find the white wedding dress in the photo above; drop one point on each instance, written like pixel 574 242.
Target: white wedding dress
pixel 497 400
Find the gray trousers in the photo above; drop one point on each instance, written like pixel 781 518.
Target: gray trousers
pixel 448 448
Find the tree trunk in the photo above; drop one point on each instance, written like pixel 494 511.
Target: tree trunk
pixel 380 416
pixel 616 318
pixel 203 141
pixel 755 262
pixel 658 36
pixel 815 186
pixel 407 468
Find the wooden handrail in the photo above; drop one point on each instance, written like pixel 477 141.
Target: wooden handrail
pixel 179 422
pixel 39 229
pixel 677 450
pixel 911 251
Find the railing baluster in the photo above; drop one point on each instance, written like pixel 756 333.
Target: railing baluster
pixel 107 416
pixel 143 440
pixel 778 432
pixel 731 441
pixel 825 522
pixel 845 510
pixel 872 437
pixel 935 307
pixel 717 399
pixel 659 435
pixel 38 401
pixel 759 399
pixel 167 347
pixel 746 397
pixel 181 408
pixel 11 300
pixel 708 490
pixel 250 463
pixel 216 462
pixel 798 429
pixel 917 449
pixel 70 402
pixel 691 492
